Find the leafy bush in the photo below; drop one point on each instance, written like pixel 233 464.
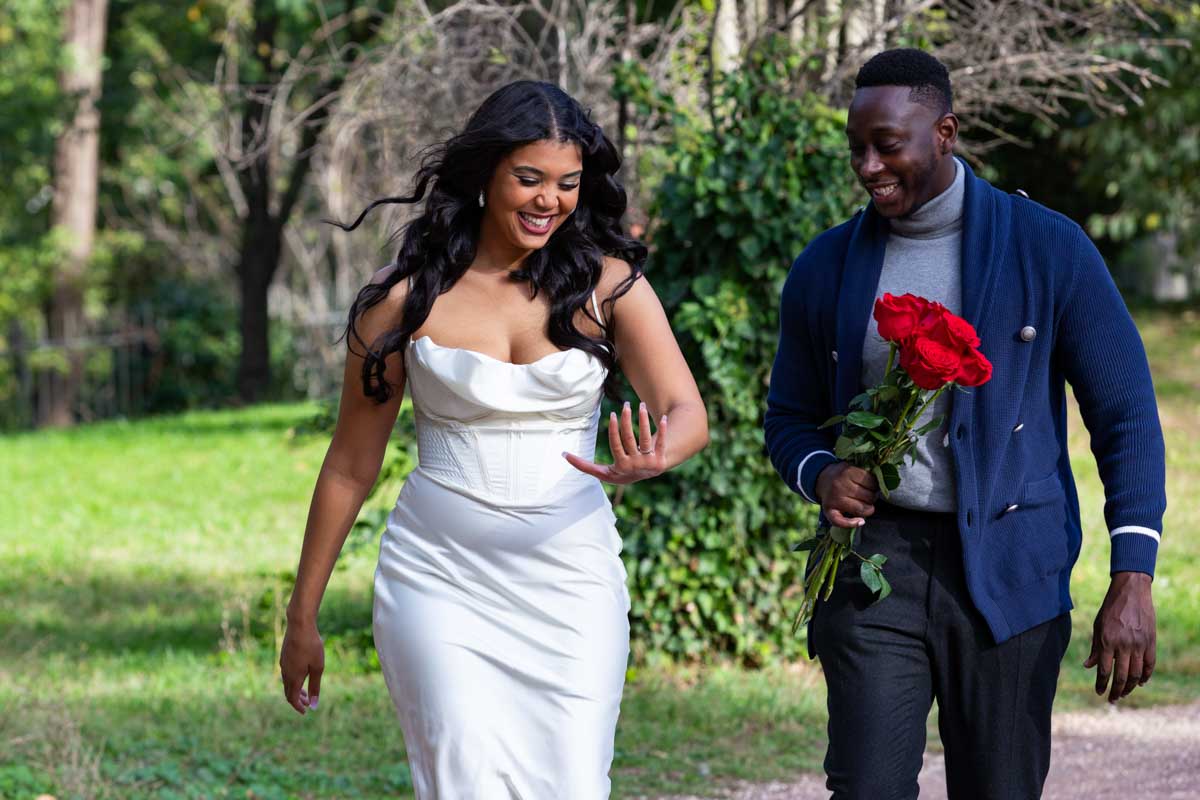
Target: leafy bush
pixel 198 346
pixel 195 361
pixel 707 547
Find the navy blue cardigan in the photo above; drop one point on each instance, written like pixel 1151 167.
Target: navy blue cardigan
pixel 1023 266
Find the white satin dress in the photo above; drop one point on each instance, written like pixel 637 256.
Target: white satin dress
pixel 501 611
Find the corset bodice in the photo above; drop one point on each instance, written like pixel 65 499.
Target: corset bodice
pixel 498 430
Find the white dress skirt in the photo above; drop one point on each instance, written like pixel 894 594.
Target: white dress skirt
pixel 501 612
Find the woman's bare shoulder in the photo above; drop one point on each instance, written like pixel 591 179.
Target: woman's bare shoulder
pixel 614 272
pixel 388 311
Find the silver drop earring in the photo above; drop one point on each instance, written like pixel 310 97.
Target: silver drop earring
pixel 481 198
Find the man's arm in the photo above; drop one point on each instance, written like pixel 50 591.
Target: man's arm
pixel 798 399
pixel 798 403
pixel 1101 355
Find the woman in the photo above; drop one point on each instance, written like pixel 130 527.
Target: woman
pixel 500 601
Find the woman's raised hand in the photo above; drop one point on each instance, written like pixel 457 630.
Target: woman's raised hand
pixel 635 457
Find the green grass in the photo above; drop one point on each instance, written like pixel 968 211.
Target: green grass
pixel 143 567
pixel 1173 346
pixel 142 576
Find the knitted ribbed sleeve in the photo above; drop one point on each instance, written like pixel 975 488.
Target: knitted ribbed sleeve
pixel 1099 351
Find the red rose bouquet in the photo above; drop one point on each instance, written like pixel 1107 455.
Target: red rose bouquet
pixel 930 351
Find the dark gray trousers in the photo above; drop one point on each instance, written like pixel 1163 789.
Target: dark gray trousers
pixel 884 665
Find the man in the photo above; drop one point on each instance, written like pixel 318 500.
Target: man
pixel 984 529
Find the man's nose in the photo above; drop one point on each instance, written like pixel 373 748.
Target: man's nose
pixel 870 165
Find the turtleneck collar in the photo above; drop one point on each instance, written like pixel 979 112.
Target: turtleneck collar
pixel 941 216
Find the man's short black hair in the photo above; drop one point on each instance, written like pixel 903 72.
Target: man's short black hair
pixel 906 66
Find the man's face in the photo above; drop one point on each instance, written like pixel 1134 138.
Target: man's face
pixel 900 149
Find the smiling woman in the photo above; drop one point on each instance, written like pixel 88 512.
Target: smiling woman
pixel 500 600
pixel 533 191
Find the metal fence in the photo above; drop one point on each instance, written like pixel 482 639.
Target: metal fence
pixel 116 362
pixel 122 362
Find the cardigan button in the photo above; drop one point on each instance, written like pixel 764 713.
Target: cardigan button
pixel 1011 508
pixel 1028 333
pixel 1019 426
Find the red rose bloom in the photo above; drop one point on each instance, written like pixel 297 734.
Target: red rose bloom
pixel 975 369
pixel 898 317
pixel 952 331
pixel 961 330
pixel 929 363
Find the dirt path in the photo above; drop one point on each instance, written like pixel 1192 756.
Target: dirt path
pixel 1153 752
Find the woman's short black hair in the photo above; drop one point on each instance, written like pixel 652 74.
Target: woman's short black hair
pixel 907 66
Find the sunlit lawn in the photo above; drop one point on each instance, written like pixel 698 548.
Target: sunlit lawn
pixel 140 586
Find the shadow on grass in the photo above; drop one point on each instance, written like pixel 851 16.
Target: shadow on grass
pixel 80 615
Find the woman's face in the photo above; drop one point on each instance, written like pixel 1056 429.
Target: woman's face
pixel 531 193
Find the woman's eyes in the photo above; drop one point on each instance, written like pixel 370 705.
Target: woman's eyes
pixel 566 187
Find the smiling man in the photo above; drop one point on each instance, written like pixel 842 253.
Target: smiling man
pixel 983 532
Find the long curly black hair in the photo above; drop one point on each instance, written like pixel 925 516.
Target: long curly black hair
pixel 439 245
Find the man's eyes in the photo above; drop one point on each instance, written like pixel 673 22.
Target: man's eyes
pixel 885 147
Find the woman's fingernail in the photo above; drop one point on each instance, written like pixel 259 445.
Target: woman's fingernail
pixel 313 704
pixel 627 404
pixel 641 406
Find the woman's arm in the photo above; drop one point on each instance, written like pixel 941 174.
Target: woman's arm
pixel 650 358
pixel 349 471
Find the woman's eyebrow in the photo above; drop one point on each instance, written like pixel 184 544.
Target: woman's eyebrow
pixel 539 173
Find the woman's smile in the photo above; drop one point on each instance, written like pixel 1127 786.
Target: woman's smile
pixel 537 224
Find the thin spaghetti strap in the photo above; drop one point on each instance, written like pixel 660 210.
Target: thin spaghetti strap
pixel 596 308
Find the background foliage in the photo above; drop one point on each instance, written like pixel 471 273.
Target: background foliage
pixel 748 186
pixel 142 574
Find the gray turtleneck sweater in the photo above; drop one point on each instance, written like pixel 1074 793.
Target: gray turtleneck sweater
pixel 923 257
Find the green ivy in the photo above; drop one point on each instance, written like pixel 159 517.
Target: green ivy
pixel 707 546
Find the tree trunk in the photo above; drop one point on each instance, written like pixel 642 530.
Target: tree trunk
pixel 268 211
pixel 262 246
pixel 726 45
pixel 76 182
